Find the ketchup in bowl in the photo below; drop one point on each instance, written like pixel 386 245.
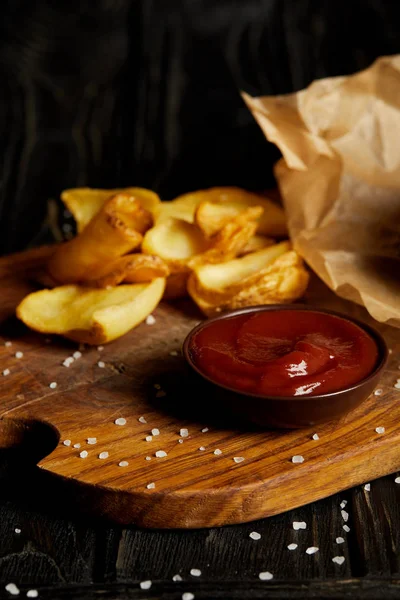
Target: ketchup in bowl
pixel 284 352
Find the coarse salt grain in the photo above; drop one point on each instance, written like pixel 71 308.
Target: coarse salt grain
pixel 217 452
pixel 145 585
pixel 84 454
pixel 315 436
pixel 265 576
pixel 77 354
pixel 155 431
pixel 346 528
pixel 32 594
pixel 299 525
pixel 202 448
pixel 378 392
pixel 8 344
pixel 17 530
pixel 142 420
pixel 161 394
pixel 312 550
pixel 149 438
pixel 397 480
pixel 184 433
pixel 187 596
pixel 6 372
pixel 123 463
pixel 148 458
pixel 180 441
pixel 292 546
pixel 12 589
pixel 151 486
pixel 367 487
pixel 92 441
pixel 19 354
pixel 103 455
pixel 340 540
pixel 177 578
pixel 100 348
pixel 120 421
pixel 150 320
pixel 339 560
pixel 238 459
pixel 161 454
pixel 67 442
pixel 77 445
pixel 195 572
pixel 345 515
pixel 204 430
pixel 343 503
pixel 68 361
pixel 53 385
pixel 101 364
pixel 297 459
pixel 380 430
pixel 255 535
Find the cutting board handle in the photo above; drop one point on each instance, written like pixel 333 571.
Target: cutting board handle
pixel 27 440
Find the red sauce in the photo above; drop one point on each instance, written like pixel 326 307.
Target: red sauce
pixel 284 353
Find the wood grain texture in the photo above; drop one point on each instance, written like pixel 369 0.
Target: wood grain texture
pixel 192 488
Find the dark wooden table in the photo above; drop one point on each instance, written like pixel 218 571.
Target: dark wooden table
pixel 66 556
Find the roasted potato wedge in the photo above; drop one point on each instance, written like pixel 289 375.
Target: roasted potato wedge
pixel 88 315
pixel 133 268
pixel 84 203
pixel 211 215
pixel 273 275
pixel 256 243
pixel 116 229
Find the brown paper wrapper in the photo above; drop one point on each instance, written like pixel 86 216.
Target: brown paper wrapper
pixel 340 180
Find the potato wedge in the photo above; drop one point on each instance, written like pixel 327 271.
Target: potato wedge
pixel 133 268
pixel 211 215
pixel 84 203
pixel 256 243
pixel 284 280
pixel 115 230
pixel 87 315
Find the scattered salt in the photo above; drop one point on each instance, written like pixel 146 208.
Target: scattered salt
pixel 177 578
pixel 217 452
pixel 255 536
pixel 77 354
pixel 397 480
pixel 8 344
pixel 204 430
pixel 12 589
pixel 180 441
pixel 343 503
pixel 297 459
pixel 380 430
pixel 53 385
pixel 265 576
pixel 92 441
pixel 142 420
pixel 238 459
pixel 17 530
pixel 202 448
pixel 77 445
pixel 150 320
pixel 339 560
pixel 161 454
pixel 101 364
pixel 340 540
pixel 346 528
pixel 367 487
pixel 6 372
pixel 103 455
pixel 184 433
pixel 148 457
pixel 195 572
pixel 378 392
pixel 32 594
pixel 19 354
pixel 292 546
pixel 299 525
pixel 123 463
pixel 68 361
pixel 120 421
pixel 345 515
pixel 187 596
pixel 151 486
pixel 100 348
pixel 145 585
pixel 315 436
pixel 149 438
pixel 84 454
pixel 67 442
pixel 155 431
pixel 312 550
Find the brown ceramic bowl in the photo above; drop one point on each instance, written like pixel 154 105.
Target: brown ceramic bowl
pixel 289 412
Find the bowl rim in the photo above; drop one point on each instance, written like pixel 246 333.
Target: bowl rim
pixel 383 351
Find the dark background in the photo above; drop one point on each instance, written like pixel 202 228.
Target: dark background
pixel 145 92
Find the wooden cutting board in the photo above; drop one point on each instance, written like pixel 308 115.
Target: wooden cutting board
pixel 143 377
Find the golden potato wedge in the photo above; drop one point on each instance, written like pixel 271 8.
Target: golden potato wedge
pixel 115 230
pixel 256 243
pixel 284 280
pixel 88 315
pixel 133 268
pixel 84 203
